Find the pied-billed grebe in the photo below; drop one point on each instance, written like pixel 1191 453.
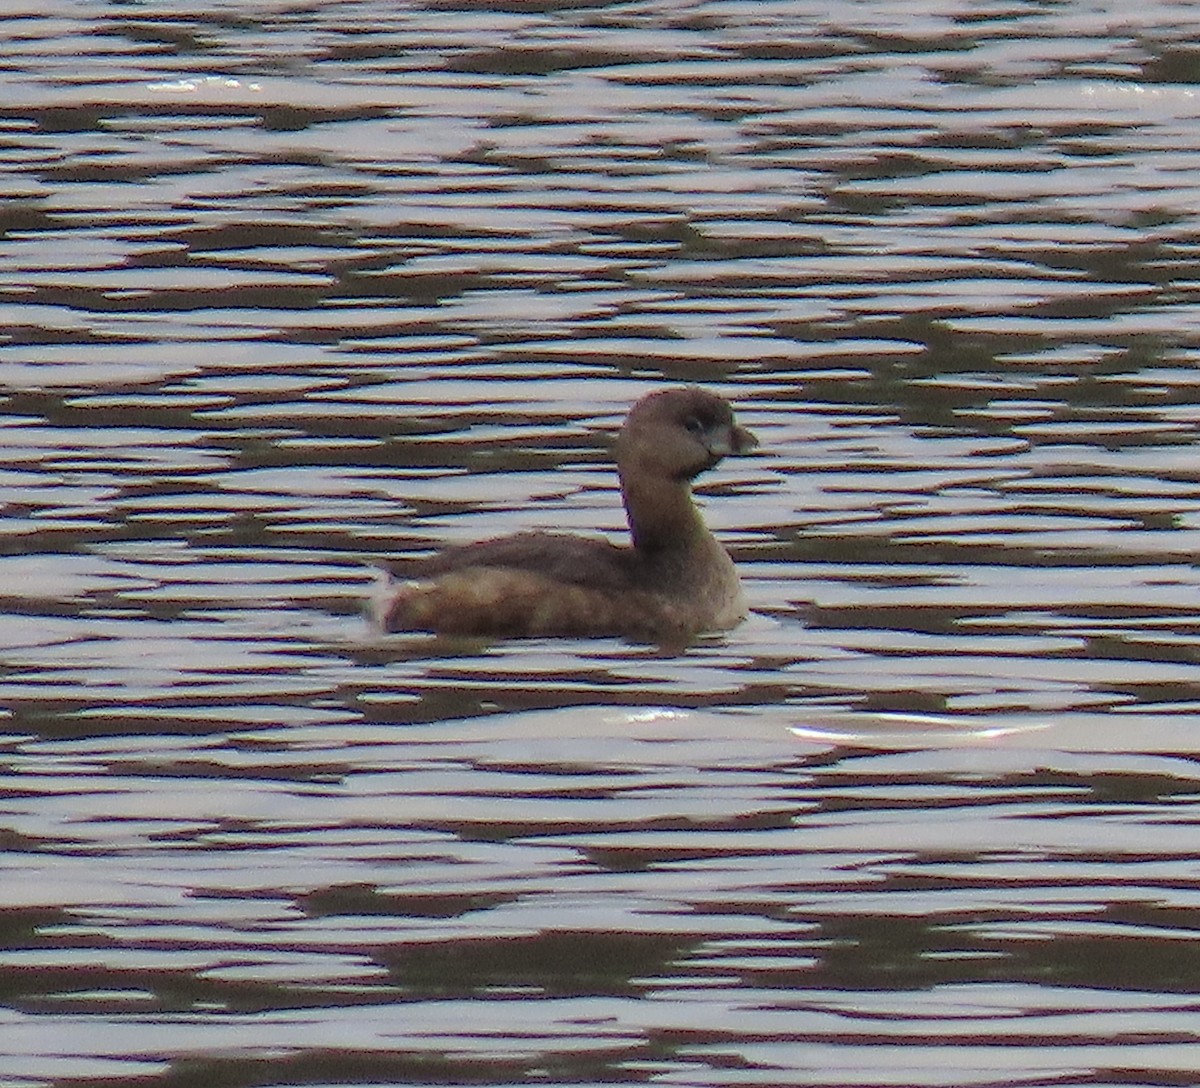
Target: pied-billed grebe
pixel 674 582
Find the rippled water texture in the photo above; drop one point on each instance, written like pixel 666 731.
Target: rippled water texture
pixel 288 287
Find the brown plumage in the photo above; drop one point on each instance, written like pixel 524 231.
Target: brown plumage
pixel 672 583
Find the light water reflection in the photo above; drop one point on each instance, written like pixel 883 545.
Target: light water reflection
pixel 284 289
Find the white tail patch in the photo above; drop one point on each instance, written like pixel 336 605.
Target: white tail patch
pixel 381 595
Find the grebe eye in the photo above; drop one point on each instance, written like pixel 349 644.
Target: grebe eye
pixel 694 425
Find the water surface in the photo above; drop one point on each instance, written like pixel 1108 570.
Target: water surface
pixel 286 288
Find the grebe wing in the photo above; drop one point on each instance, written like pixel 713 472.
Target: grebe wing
pixel 573 560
